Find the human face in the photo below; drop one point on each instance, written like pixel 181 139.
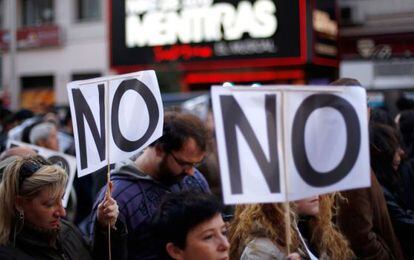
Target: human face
pixel 52 141
pixel 308 206
pixel 44 210
pixel 177 164
pixel 397 158
pixel 206 241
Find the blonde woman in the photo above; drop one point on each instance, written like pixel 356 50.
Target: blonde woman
pixel 31 212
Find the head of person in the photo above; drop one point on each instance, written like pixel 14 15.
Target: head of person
pixel 11 154
pixel 385 147
pixel 45 134
pixel 308 206
pixel 381 116
pixel 325 236
pixel 386 153
pixel 406 127
pixel 189 225
pixel 31 193
pixel 261 220
pixel 181 148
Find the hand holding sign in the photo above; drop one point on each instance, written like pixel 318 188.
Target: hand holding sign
pixel 108 209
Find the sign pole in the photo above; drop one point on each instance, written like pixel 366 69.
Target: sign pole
pixel 108 173
pixel 288 235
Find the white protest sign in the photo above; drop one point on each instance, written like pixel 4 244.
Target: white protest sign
pixel 67 162
pixel 315 137
pixel 126 110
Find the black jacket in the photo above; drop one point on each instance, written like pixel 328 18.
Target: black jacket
pixel 70 244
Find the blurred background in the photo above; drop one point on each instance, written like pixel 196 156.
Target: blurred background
pixel 193 44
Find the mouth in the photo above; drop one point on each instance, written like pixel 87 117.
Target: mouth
pixel 315 200
pixel 55 223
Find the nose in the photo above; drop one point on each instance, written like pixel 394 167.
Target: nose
pixel 224 243
pixel 60 211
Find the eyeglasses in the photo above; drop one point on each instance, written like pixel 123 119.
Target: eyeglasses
pixel 185 164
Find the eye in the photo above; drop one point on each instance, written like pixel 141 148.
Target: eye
pixel 208 237
pixel 49 204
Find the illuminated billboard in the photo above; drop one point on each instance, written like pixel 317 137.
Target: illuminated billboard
pixel 147 32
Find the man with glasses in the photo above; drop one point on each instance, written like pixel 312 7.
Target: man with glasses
pixel 167 165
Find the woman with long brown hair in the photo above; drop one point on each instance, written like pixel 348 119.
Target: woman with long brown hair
pixel 258 231
pixel 320 234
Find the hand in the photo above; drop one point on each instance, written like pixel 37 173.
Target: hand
pixel 108 209
pixel 293 256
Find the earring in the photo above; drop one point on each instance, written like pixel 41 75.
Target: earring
pixel 18 226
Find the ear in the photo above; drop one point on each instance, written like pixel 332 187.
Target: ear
pixel 174 251
pixel 159 151
pixel 19 203
pixel 41 142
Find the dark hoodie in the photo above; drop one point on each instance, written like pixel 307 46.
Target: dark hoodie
pixel 138 196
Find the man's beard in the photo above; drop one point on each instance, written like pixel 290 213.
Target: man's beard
pixel 166 176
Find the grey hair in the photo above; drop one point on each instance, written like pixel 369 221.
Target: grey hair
pixel 41 131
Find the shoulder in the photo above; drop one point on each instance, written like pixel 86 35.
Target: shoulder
pixel 69 230
pixel 9 252
pixel 261 248
pixel 196 182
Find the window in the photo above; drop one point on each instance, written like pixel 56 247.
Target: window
pixel 82 76
pixel 2 13
pixel 37 93
pixel 37 12
pixel 88 10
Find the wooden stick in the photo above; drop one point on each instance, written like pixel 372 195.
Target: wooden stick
pixel 288 235
pixel 108 173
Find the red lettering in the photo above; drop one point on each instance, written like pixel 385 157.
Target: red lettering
pixel 185 52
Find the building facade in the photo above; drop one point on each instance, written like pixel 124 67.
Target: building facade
pixel 57 42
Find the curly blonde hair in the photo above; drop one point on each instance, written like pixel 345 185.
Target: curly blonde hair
pixel 325 234
pixel 270 218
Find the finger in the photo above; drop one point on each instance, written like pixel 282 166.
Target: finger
pixel 111 211
pixel 110 184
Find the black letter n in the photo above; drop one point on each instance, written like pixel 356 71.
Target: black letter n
pixel 83 110
pixel 233 117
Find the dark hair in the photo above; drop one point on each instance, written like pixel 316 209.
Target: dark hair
pixel 406 125
pixel 384 142
pixel 346 82
pixel 379 115
pixel 179 213
pixel 178 128
pixel 31 165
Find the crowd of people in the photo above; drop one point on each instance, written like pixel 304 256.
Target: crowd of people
pixel 161 205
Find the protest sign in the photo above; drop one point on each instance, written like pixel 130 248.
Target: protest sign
pixel 279 143
pixel 114 118
pixel 67 162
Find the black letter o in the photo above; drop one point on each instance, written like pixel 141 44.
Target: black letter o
pixel 136 85
pixel 353 140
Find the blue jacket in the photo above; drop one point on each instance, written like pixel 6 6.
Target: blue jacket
pixel 138 196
